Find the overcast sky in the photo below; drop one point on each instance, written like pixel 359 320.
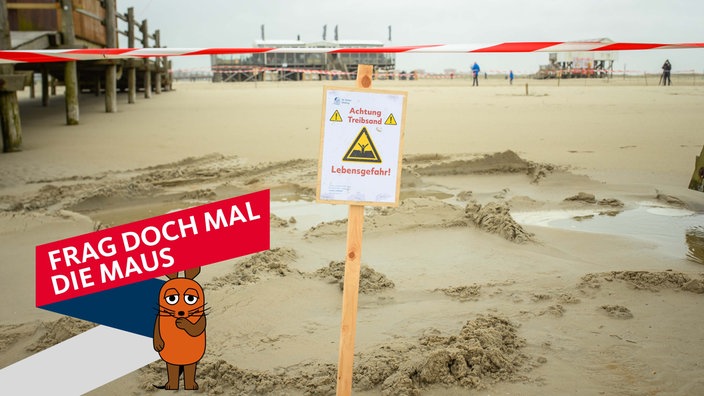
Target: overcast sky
pixel 231 23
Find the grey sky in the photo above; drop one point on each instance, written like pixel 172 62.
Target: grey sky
pixel 230 23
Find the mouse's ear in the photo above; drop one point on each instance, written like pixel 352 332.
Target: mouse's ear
pixel 172 276
pixel 192 273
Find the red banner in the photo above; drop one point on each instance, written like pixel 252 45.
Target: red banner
pixel 152 247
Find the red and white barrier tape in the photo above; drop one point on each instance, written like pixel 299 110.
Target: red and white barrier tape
pixel 67 55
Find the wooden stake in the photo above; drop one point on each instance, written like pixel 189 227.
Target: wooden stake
pixel 353 259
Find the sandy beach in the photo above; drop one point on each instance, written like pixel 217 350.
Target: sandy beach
pixel 546 242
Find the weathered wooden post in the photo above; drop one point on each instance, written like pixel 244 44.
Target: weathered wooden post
pixel 147 72
pixel 111 70
pixel 32 93
pixel 70 68
pixel 9 106
pixel 131 69
pixel 131 66
pixel 45 86
pixel 157 63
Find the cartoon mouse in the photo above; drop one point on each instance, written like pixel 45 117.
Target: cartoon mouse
pixel 179 331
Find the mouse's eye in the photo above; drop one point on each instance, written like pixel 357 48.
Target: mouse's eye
pixel 190 299
pixel 171 299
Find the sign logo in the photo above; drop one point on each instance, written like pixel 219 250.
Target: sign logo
pixel 362 149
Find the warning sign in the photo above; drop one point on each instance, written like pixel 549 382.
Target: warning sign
pixel 362 149
pixel 336 117
pixel 390 120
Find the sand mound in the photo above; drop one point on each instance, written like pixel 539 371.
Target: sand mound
pixel 218 377
pixel 370 281
pixel 462 293
pixel 500 162
pixel 495 218
pixel 486 350
pixel 57 331
pixel 412 213
pixel 617 311
pixel 591 199
pixel 253 268
pixel 426 212
pixel 505 162
pixel 11 334
pixel 201 179
pixel 669 199
pixel 645 280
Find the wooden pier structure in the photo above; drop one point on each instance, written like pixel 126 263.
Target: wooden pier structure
pixel 301 66
pixel 62 24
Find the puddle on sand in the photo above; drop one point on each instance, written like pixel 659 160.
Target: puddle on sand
pixel 126 214
pixel 308 213
pixel 677 232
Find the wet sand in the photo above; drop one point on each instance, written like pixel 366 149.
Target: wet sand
pixel 468 287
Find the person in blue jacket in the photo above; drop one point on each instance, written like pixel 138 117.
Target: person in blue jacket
pixel 475 74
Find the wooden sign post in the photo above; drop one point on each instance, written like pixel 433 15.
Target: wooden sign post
pixel 350 289
pixel 360 164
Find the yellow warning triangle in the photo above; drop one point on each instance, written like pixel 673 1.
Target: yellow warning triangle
pixel 390 120
pixel 362 149
pixel 336 117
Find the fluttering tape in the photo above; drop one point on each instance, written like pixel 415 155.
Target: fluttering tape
pixel 68 55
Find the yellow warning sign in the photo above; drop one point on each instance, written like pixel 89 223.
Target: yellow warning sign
pixel 362 149
pixel 336 117
pixel 390 120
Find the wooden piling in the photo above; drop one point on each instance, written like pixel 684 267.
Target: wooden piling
pixel 111 70
pixel 32 93
pixel 45 86
pixel 157 63
pixel 147 72
pixel 71 93
pixel 131 63
pixel 9 106
pixel 71 68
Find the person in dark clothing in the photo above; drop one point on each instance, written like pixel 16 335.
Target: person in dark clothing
pixel 666 67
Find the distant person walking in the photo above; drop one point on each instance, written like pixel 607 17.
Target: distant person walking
pixel 475 74
pixel 510 77
pixel 666 67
